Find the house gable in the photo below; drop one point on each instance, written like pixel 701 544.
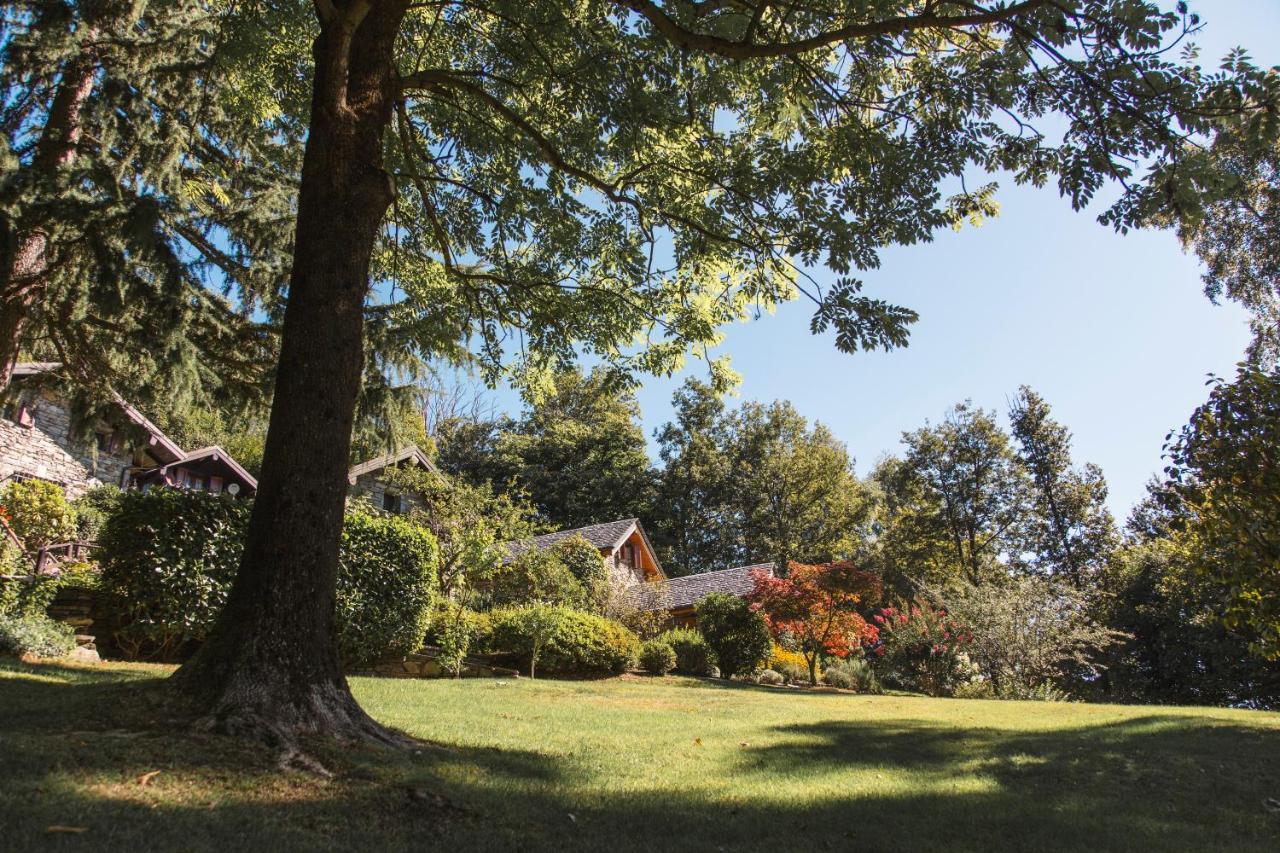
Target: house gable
pixel 623 545
pixel 369 480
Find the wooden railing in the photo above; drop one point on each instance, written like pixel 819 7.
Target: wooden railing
pixel 61 551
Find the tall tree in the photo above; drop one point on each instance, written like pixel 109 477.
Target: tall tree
pixel 1226 473
pixel 1069 531
pixel 970 490
pixel 794 488
pixel 696 525
pixel 548 155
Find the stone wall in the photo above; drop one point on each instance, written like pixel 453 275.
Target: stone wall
pixel 368 485
pixel 48 450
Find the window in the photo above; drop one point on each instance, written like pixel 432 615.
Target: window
pixel 106 442
pixel 391 502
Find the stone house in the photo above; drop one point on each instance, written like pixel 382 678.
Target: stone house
pixel 370 479
pixel 38 440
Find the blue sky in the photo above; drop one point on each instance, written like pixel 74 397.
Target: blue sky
pixel 1115 332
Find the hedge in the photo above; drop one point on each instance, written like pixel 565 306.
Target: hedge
pixel 169 556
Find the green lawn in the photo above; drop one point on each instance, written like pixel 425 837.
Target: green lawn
pixel 639 764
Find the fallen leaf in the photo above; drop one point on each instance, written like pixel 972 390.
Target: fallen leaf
pixel 744 743
pixel 697 741
pixel 145 779
pixel 573 819
pixel 74 830
pixel 1271 804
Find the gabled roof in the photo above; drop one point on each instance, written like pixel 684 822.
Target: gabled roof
pixel 410 453
pixel 607 536
pixel 687 591
pixel 216 454
pixel 157 437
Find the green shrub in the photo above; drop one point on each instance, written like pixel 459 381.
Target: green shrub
pixel 34 634
pixel 386 583
pixel 169 557
pixel 92 510
pixel 28 595
pixel 694 655
pixel 979 688
pixel 38 513
pixel 566 641
pixel 657 657
pixel 771 678
pixel 852 674
pixel 737 633
pixel 453 631
pixel 537 575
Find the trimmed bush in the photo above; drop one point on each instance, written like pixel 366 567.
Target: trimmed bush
pixel 34 634
pixel 566 641
pixel 738 634
pixel 694 655
pixel 169 556
pixel 657 657
pixel 386 585
pixel 771 678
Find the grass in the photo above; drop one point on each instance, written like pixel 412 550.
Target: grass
pixel 637 764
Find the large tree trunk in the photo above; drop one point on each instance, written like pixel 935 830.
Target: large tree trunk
pixel 270 667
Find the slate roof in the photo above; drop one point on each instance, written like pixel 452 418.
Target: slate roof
pixel 687 591
pixel 605 536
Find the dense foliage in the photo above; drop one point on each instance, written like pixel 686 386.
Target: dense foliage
pixel 169 555
pixel 1225 468
pixel 917 646
pixel 34 634
pixel 38 513
pixel 562 640
pixel 657 657
pixel 736 632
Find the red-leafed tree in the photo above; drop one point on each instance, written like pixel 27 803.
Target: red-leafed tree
pixel 817 607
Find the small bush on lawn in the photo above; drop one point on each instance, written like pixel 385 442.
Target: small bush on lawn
pixel 169 556
pixel 455 630
pixel 739 635
pixel 771 678
pixel 566 641
pixel 34 634
pixel 694 655
pixel 657 657
pixel 852 674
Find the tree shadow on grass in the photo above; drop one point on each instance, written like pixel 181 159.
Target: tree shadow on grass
pixel 1160 782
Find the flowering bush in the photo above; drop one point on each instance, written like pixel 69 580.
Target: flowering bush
pixel 917 647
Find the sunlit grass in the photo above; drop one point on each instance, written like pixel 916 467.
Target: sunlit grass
pixel 640 764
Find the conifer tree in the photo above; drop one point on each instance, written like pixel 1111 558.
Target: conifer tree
pixel 145 180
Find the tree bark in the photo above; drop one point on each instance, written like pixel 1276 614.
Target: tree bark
pixel 270 667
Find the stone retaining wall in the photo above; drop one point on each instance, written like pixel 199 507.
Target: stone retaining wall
pixel 425 664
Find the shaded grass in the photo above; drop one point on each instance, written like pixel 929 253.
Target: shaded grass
pixel 638 764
